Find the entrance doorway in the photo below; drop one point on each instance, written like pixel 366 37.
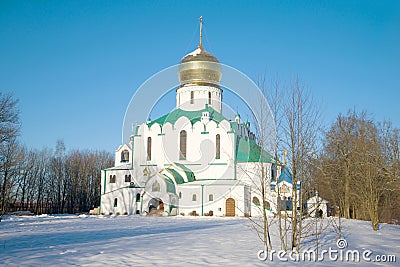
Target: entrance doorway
pixel 156 204
pixel 230 207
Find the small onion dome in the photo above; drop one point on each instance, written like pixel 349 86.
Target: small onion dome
pixel 199 67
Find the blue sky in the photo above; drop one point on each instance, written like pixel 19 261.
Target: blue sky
pixel 74 65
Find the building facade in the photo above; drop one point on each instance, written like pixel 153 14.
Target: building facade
pixel 193 160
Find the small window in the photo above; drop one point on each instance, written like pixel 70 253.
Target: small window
pixel 137 197
pixel 112 179
pixel 256 201
pixel 210 197
pixel 180 195
pixel 191 97
pixel 115 202
pixel 155 187
pixel 209 98
pixel 128 178
pixel 194 197
pixel 125 156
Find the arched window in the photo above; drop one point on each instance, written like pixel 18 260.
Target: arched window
pixel 180 195
pixel 125 156
pixel 210 197
pixel 112 178
pixel 137 197
pixel 194 197
pixel 182 144
pixel 149 148
pixel 155 187
pixel 218 146
pixel 191 97
pixel 115 202
pixel 128 178
pixel 209 98
pixel 256 201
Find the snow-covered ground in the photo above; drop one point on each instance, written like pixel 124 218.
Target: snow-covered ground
pixel 167 241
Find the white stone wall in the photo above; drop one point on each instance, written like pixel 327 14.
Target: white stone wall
pixel 126 202
pixel 200 93
pixel 220 192
pixel 201 148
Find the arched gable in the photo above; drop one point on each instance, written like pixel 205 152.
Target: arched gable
pixel 155 128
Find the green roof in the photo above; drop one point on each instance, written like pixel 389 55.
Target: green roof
pixel 189 174
pixel 249 151
pixel 178 178
pixel 170 185
pixel 193 116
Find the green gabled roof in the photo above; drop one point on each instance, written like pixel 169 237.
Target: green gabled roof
pixel 170 185
pixel 248 151
pixel 178 178
pixel 189 174
pixel 193 116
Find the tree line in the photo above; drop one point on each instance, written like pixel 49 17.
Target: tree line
pixel 358 168
pixel 45 180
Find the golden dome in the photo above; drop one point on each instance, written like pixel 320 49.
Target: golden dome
pixel 199 55
pixel 199 66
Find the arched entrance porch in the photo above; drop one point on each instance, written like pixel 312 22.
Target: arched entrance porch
pixel 156 204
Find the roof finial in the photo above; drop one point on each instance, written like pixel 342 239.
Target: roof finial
pixel 201 32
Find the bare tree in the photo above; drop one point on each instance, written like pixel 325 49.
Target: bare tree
pixel 9 129
pixel 301 126
pixel 9 118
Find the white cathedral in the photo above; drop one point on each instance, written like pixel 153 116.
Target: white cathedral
pixel 193 160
